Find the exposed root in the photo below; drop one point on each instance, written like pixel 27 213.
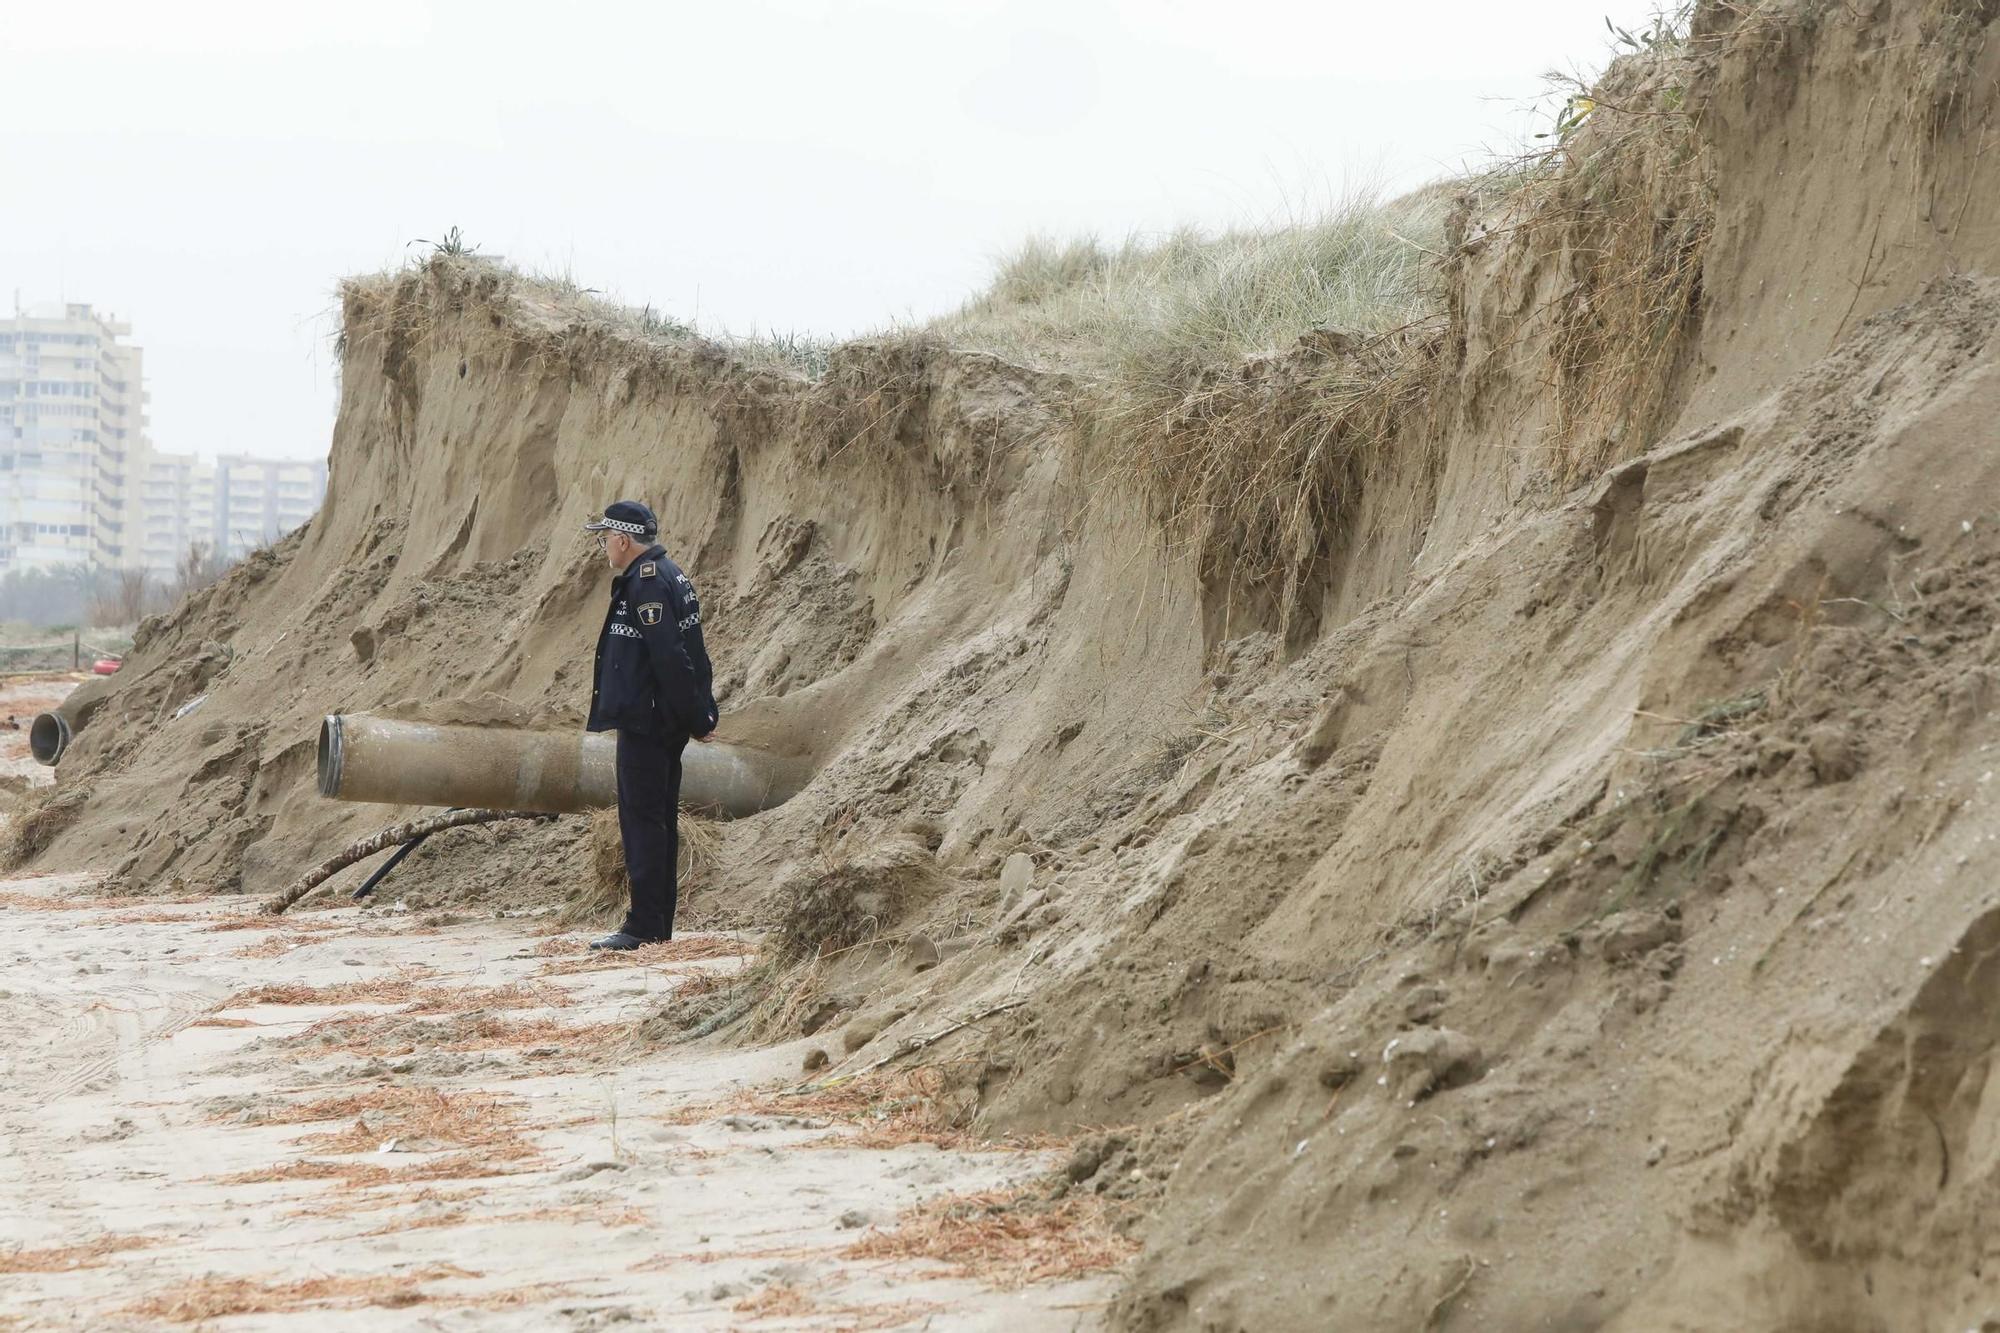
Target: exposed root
pixel 413 831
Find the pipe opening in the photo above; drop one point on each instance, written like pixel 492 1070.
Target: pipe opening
pixel 48 737
pixel 329 756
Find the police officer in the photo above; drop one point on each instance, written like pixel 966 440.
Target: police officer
pixel 654 689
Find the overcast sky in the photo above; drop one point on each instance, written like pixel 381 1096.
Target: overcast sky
pixel 209 171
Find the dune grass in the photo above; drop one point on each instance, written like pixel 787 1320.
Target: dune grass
pixel 1244 378
pixel 1147 316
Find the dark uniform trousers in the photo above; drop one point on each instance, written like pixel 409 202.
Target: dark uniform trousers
pixel 653 687
pixel 649 801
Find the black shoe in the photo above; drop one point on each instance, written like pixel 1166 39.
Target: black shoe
pixel 619 941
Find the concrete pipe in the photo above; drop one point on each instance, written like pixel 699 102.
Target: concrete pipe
pixel 364 758
pixel 50 733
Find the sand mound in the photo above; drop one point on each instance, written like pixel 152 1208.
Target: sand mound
pixel 1533 858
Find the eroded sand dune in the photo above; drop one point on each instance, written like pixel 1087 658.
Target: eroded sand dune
pixel 1482 825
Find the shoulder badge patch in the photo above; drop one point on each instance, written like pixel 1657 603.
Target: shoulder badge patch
pixel 648 570
pixel 649 614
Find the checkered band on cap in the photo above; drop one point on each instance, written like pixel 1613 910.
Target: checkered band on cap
pixel 627 516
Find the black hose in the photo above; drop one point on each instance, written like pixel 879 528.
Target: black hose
pixel 382 872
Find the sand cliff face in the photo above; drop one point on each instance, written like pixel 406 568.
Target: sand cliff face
pixel 1564 901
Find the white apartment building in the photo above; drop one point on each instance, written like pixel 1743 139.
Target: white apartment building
pixel 258 500
pixel 229 507
pixel 176 503
pixel 80 484
pixel 72 417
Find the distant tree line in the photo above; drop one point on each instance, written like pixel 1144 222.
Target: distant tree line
pixel 85 595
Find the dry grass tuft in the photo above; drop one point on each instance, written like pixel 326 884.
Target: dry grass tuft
pixel 408 990
pixel 348 1173
pixel 152 916
pixel 889 1108
pixel 292 925
pixel 400 1034
pixel 491 1034
pixel 215 1022
pixel 426 1115
pixel 512 1298
pixel 477 1165
pixel 882 1315
pixel 1002 1238
pixel 664 1263
pixel 348 1205
pixel 571 1214
pixel 604 901
pixel 39 821
pixel 271 946
pixel 854 891
pixel 332 1108
pixel 216 1297
pixel 703 1002
pixel 367 990
pixel 69 1258
pixel 778 1300
pixel 515 995
pixel 684 949
pixel 37 902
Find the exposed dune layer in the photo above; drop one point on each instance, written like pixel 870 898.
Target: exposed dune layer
pixel 1562 897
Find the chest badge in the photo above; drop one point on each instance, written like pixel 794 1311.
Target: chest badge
pixel 649 614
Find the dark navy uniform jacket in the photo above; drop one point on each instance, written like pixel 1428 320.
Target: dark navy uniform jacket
pixel 653 677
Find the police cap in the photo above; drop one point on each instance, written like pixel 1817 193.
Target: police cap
pixel 626 516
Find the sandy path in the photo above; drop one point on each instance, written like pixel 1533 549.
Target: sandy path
pixel 561 1192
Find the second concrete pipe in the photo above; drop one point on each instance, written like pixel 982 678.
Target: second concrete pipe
pixel 363 758
pixel 50 733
